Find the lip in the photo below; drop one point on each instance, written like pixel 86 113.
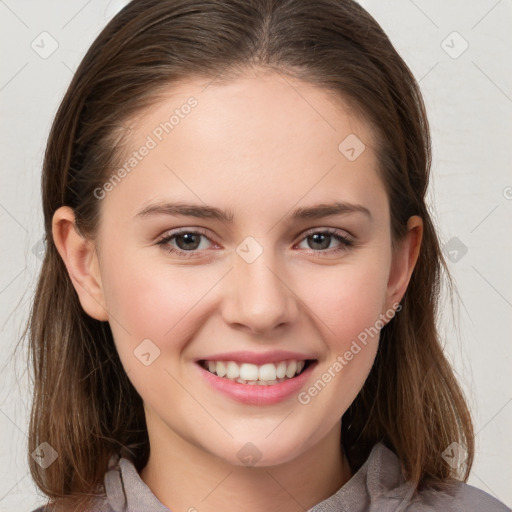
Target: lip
pixel 274 356
pixel 256 394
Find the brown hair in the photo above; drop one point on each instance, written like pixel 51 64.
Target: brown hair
pixel 84 405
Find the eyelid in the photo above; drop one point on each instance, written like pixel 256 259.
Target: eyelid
pixel 180 231
pixel 332 231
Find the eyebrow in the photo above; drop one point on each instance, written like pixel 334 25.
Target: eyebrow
pixel 318 211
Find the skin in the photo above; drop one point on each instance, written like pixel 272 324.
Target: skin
pixel 260 146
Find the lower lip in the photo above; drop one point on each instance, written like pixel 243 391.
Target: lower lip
pixel 254 394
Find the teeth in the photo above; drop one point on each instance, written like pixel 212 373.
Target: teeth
pixel 267 372
pixel 233 370
pixel 291 369
pixel 248 373
pixel 281 370
pixel 218 367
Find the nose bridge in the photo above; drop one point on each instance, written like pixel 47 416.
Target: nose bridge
pixel 260 300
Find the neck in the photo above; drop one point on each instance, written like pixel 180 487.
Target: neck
pixel 184 477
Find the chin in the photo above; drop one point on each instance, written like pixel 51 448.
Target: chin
pixel 261 452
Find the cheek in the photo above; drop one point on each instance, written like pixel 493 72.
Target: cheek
pixel 349 299
pixel 348 307
pixel 152 302
pixel 157 302
pixel 348 302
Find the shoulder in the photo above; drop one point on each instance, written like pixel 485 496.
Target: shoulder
pixel 459 496
pixel 472 498
pixel 384 481
pixel 99 504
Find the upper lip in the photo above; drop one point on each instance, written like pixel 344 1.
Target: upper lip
pixel 258 358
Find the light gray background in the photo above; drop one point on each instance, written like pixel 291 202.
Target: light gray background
pixel 468 95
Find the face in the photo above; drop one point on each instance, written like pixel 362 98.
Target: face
pixel 269 283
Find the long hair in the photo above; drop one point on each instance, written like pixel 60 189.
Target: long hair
pixel 84 405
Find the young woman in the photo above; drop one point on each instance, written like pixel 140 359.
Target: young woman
pixel 237 305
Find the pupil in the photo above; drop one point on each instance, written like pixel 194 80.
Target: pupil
pixel 189 239
pixel 315 239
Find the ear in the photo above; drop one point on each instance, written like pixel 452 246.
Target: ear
pixel 79 256
pixel 405 256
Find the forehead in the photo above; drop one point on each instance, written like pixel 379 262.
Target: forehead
pixel 257 138
pixel 258 107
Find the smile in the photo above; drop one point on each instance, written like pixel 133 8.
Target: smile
pixel 256 384
pixel 267 374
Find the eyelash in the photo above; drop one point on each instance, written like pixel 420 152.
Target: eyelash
pixel 346 242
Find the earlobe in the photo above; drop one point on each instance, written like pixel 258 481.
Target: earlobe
pixel 405 257
pixel 80 258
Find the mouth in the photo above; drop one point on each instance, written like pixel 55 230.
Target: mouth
pixel 269 374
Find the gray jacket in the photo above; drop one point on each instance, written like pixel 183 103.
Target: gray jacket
pixel 377 486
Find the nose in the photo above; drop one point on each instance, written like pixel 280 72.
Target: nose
pixel 259 299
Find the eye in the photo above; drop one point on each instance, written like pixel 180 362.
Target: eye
pixel 187 241
pixel 320 240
